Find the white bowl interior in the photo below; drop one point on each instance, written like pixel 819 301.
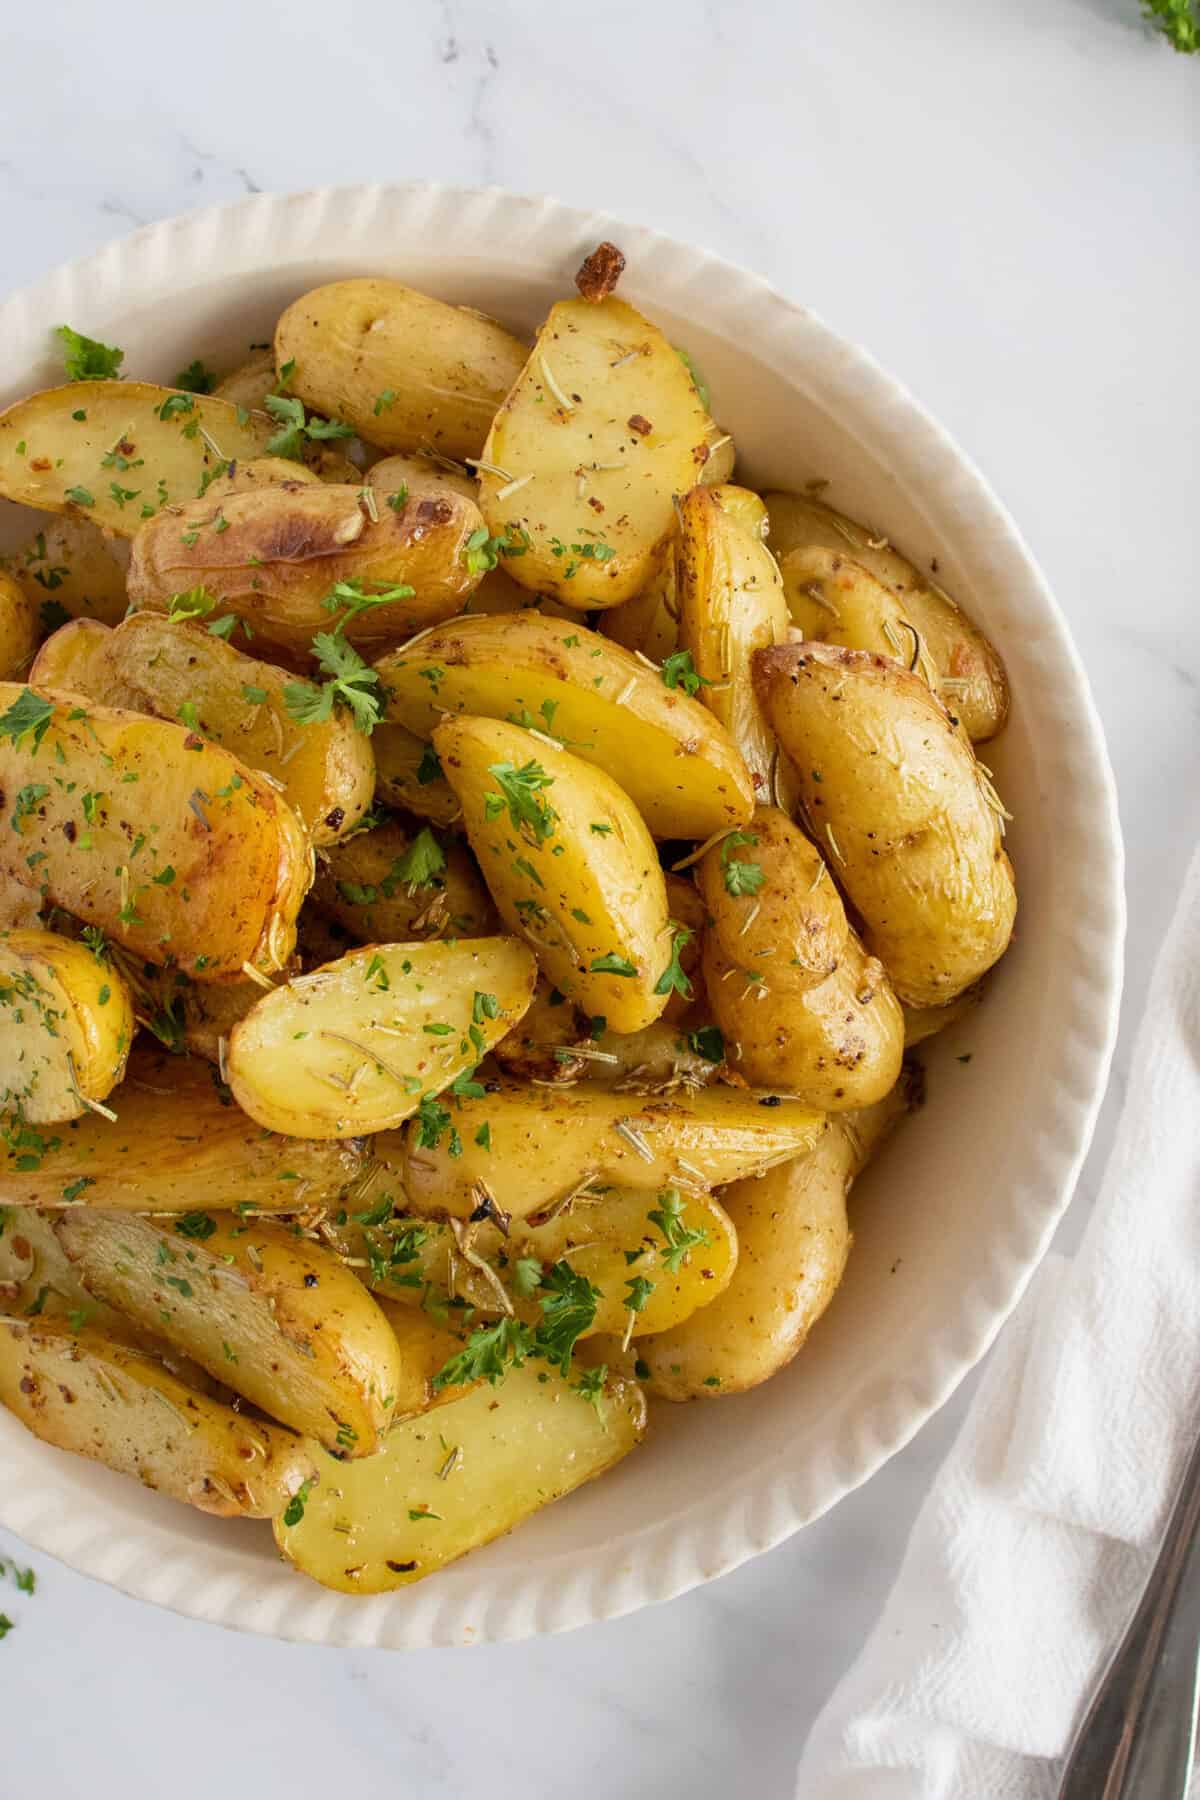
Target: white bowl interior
pixel 950 1221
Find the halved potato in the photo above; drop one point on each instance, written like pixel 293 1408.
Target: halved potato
pixel 37 1280
pixel 20 628
pixel 569 863
pixel 833 599
pixel 407 371
pixel 601 430
pixel 408 775
pixel 179 1143
pixel 731 603
pixel 177 669
pixel 893 790
pixel 167 842
pixel 116 452
pixel 363 1043
pixel 249 384
pixel 396 1517
pixel 793 1242
pixel 598 700
pixel 276 555
pixel 71 566
pixel 532 1146
pixel 66 1024
pixel 421 477
pixel 80 1391
pixel 970 674
pixel 273 1315
pixel 670 1252
pixel 260 472
pixel 394 883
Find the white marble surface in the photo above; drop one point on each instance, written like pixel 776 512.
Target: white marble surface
pixel 1001 200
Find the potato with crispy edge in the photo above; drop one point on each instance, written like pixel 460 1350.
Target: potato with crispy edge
pixel 273 1315
pixel 676 763
pixel 71 566
pixel 542 1143
pixel 80 1391
pixel 275 556
pixel 171 845
pixel 970 675
pixel 394 883
pixel 408 775
pixel 602 429
pixel 793 1242
pixel 384 1523
pixel 57 449
pixel 20 628
pixel 731 603
pixel 407 371
pixel 358 1045
pixel 66 1024
pixel 176 668
pixel 569 863
pixel 911 823
pixel 179 1143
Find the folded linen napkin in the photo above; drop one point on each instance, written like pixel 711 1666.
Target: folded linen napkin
pixel 1027 1558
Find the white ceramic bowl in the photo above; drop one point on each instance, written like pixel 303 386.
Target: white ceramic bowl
pixel 952 1220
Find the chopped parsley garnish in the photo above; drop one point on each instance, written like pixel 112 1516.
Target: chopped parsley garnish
pixel 429 768
pixel 294 1511
pixel 353 683
pixel 288 441
pixel 611 964
pixel 27 801
pixel 195 379
pixel 640 1291
pixel 86 359
pixel 740 877
pixel 678 671
pixel 196 603
pixel 673 979
pixel 196 1225
pixel 520 791
pixel 422 862
pixel 349 599
pixel 482 551
pixel 28 716
pixel 698 381
pixel 680 1239
pixel 709 1042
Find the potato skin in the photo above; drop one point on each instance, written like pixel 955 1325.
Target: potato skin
pixel 673 759
pixel 791 913
pixel 904 810
pixel 66 1024
pixel 20 628
pixel 602 901
pixel 405 776
pixel 423 479
pixel 970 674
pixel 83 1392
pixel 358 885
pixel 445 368
pixel 157 665
pixel 793 1243
pixel 283 550
pixel 255 472
pixel 134 774
pixel 70 563
pixel 180 1144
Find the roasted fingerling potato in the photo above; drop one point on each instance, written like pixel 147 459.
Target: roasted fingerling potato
pixel 20 628
pixel 399 881
pixel 72 569
pixel 66 1024
pixel 911 824
pixel 409 776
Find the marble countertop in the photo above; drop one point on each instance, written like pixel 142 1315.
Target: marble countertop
pixel 1001 202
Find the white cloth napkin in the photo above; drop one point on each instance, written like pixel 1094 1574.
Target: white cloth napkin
pixel 1027 1558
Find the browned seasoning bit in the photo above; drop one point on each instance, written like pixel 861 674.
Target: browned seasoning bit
pixel 600 272
pixel 641 425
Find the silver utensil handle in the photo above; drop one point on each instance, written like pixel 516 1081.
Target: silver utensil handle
pixel 1137 1738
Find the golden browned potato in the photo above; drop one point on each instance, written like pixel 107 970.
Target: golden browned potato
pixel 970 674
pixel 38 1281
pixel 393 883
pixel 530 1147
pixel 273 1315
pixel 601 430
pixel 179 1143
pixel 365 1042
pixel 138 826
pixel 260 472
pixel 20 628
pixel 66 1024
pixel 407 371
pixel 249 384
pixel 731 603
pixel 744 506
pixel 599 701
pixel 911 824
pixel 425 1347
pixel 178 669
pixel 408 775
pixel 649 623
pixel 422 478
pixel 798 1000
pixel 70 566
pixel 793 1242
pixel 570 865
pixel 277 555
pixel 80 1391
pixel 114 453
pixel 835 600
pixel 394 1518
